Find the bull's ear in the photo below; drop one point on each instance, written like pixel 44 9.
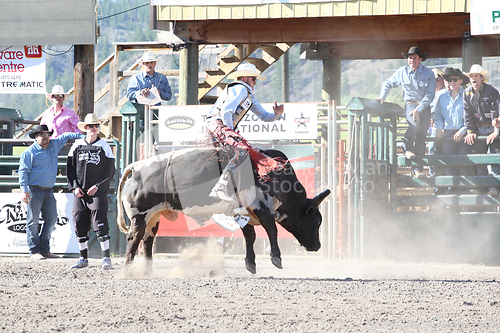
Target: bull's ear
pixel 316 201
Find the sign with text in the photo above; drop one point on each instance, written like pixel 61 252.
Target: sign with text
pixel 187 123
pixel 13 237
pixel 22 70
pixel 485 17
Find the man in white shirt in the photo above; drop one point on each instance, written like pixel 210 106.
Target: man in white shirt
pixel 231 106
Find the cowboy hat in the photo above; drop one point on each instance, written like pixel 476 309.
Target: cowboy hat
pixel 57 90
pixel 450 71
pixel 246 69
pixel 147 57
pixel 478 69
pixel 437 72
pixel 90 119
pixel 40 129
pixel 416 50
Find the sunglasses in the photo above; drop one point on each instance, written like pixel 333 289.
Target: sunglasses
pixel 57 96
pixel 44 135
pixel 253 78
pixel 93 125
pixel 455 79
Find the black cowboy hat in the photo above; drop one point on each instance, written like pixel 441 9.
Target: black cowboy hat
pixel 39 129
pixel 416 50
pixel 450 71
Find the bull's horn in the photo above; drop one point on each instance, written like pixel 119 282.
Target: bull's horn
pixel 315 202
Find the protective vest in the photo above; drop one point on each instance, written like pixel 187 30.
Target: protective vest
pixel 241 109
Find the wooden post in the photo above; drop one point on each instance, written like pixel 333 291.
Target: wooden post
pixel 285 78
pixel 472 52
pixel 332 70
pixel 188 75
pixel 239 51
pixel 114 88
pixel 84 79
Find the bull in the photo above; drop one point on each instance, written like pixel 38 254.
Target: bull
pixel 180 181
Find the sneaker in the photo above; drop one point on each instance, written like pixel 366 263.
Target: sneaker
pixel 106 263
pixel 81 263
pixel 493 191
pixel 409 155
pixel 37 256
pixel 50 255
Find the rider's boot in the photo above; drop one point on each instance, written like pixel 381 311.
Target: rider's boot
pixel 220 190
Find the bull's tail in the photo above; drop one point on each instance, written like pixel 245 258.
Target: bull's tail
pixel 120 219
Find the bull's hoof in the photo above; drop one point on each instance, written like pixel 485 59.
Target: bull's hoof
pixel 277 262
pixel 251 267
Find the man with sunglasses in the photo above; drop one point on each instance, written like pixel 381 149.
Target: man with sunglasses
pixel 91 166
pixel 229 109
pixel 37 176
pixel 449 111
pixel 481 102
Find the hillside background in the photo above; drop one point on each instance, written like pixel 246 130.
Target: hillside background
pixel 127 21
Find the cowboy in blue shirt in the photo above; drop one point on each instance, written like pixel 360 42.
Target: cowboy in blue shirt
pixel 419 87
pixel 449 111
pixel 37 176
pixel 142 82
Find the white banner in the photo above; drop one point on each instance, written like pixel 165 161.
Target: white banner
pixel 187 123
pixel 228 2
pixel 22 70
pixel 485 17
pixel 13 225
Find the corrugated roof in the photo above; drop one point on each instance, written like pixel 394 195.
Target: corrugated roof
pixel 320 9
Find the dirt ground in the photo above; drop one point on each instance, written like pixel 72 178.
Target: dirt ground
pixel 202 291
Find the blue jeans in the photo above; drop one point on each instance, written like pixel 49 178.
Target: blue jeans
pixel 41 201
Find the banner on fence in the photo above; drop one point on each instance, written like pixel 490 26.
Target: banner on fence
pixel 13 225
pixel 22 70
pixel 485 17
pixel 187 123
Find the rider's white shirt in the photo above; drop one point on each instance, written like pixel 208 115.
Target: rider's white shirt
pixel 236 94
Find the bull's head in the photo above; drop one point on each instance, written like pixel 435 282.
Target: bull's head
pixel 304 222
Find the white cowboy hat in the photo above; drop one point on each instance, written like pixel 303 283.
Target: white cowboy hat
pixel 478 69
pixel 246 69
pixel 90 119
pixel 147 57
pixel 57 90
pixel 437 72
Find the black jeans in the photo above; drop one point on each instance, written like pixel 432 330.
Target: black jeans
pixel 416 131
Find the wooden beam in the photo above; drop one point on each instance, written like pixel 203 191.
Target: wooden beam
pixel 327 29
pixel 442 48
